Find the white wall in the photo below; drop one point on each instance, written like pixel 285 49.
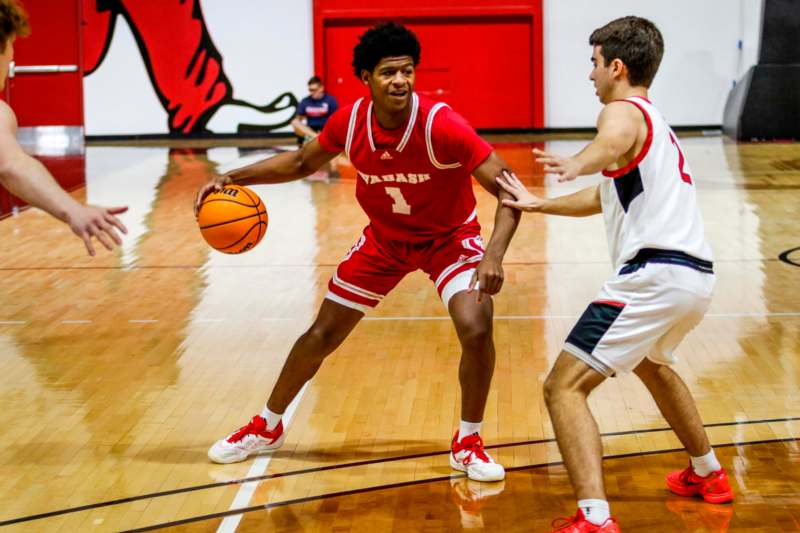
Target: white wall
pixel 267 48
pixel 701 57
pixel 750 18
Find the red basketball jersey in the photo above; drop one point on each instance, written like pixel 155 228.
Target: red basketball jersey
pixel 414 183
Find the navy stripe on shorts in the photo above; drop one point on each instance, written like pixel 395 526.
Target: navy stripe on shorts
pixel 594 323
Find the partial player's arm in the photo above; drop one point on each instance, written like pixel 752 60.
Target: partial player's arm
pixel 618 125
pixel 288 166
pixel 28 179
pixel 583 203
pixel 490 271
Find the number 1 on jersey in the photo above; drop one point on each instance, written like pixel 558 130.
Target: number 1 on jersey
pixel 400 205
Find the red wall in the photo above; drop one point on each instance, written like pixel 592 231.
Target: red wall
pixel 482 57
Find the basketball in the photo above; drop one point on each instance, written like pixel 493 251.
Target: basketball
pixel 233 220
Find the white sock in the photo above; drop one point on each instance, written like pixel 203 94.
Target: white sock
pixel 595 511
pixel 271 418
pixel 705 464
pixel 468 428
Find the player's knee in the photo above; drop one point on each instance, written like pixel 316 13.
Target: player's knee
pixel 551 388
pixel 650 372
pixel 477 337
pixel 324 338
pixel 556 389
pixel 561 385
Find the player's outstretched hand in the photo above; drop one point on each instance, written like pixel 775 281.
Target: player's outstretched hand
pixel 88 221
pixel 523 200
pixel 566 168
pixel 215 184
pixel 488 277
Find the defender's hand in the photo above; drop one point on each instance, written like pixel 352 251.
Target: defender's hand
pixel 524 200
pixel 566 168
pixel 88 221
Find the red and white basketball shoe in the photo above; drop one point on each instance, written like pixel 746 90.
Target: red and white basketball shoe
pixel 468 455
pixel 249 440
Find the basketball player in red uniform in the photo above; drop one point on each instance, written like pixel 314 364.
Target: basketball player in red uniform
pixel 26 177
pixel 414 158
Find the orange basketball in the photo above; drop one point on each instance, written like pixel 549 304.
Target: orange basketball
pixel 233 220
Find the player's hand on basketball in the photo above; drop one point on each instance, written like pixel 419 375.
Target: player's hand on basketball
pixel 523 200
pixel 488 277
pixel 215 184
pixel 564 167
pixel 101 223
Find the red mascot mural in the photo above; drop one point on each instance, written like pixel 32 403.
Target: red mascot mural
pixel 184 66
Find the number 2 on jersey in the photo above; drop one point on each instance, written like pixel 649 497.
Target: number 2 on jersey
pixel 685 176
pixel 400 205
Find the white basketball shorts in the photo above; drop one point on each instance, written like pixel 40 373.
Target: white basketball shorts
pixel 644 313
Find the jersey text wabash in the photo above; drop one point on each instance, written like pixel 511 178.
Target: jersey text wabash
pixel 413 182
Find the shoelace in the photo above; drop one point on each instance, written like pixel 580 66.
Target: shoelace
pixel 249 429
pixel 715 484
pixel 686 476
pixel 473 444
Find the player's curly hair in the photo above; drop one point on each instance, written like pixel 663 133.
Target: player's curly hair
pixel 634 41
pixel 384 40
pixel 13 22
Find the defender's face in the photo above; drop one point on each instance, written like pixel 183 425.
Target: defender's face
pixel 5 60
pixel 601 76
pixel 391 83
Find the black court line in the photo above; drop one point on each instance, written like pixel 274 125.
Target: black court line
pixel 785 257
pixel 325 265
pixel 339 466
pixel 340 494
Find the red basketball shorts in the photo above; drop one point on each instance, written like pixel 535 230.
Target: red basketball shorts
pixel 374 265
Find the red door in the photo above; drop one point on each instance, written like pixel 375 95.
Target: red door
pixel 483 57
pixel 45 90
pixel 481 66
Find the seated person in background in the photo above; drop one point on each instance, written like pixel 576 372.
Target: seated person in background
pixel 313 111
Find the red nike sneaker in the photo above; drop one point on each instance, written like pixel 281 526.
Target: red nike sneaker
pixel 579 524
pixel 714 488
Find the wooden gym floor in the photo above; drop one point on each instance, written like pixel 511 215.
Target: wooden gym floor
pixel 119 372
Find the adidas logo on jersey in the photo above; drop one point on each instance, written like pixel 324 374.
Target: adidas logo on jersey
pixel 386 155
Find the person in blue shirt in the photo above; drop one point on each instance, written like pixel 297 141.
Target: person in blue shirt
pixel 313 111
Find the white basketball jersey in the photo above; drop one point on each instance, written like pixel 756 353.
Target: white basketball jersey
pixel 651 202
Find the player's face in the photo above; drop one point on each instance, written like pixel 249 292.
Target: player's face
pixel 5 59
pixel 391 83
pixel 600 75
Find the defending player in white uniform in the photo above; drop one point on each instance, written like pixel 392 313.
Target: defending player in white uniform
pixel 663 275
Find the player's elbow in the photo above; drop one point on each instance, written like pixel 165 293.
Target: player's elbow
pixel 303 166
